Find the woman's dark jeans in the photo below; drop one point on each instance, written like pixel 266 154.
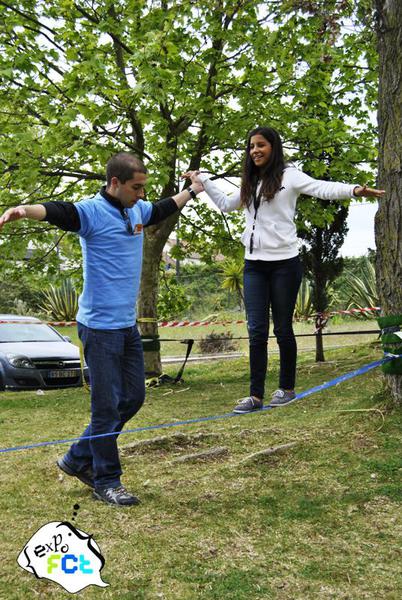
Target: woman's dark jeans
pixel 271 284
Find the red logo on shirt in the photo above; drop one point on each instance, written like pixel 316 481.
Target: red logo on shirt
pixel 138 229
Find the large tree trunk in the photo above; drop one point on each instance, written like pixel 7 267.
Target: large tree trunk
pixel 388 223
pixel 154 241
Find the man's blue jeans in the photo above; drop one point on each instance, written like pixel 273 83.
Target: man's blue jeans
pixel 116 370
pixel 271 284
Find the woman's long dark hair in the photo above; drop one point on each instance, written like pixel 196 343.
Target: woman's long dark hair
pixel 270 175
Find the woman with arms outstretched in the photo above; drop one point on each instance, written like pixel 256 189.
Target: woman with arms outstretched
pixel 272 271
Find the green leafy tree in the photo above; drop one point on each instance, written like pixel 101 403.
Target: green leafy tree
pixel 327 150
pixel 173 300
pixel 177 83
pixel 322 265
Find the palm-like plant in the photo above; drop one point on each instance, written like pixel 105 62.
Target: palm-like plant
pixel 362 290
pixel 61 303
pixel 232 270
pixel 304 306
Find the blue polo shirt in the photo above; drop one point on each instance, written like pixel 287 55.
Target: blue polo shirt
pixel 112 260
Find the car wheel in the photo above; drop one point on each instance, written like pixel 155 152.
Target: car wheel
pixel 2 388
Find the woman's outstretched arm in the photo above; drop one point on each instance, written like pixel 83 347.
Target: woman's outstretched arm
pixel 223 202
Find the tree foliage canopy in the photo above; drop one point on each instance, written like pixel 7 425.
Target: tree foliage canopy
pixel 179 83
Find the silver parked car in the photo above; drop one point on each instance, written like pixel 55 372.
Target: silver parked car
pixel 33 355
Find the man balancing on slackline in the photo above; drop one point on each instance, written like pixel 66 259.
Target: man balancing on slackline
pixel 110 226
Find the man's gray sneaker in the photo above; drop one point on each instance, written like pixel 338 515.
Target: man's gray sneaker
pixel 86 475
pixel 247 405
pixel 116 495
pixel 281 398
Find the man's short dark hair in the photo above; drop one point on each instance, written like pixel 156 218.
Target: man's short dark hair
pixel 123 165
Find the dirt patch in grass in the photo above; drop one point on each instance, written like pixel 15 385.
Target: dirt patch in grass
pixel 167 443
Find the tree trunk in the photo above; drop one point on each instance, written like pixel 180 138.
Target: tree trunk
pixel 154 241
pixel 319 342
pixel 319 347
pixel 388 222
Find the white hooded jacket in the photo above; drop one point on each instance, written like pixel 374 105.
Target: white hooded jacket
pixel 275 236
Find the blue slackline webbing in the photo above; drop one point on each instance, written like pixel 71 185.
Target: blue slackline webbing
pixel 319 388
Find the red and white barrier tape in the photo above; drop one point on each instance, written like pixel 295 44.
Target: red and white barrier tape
pixel 23 322
pixel 39 322
pixel 197 323
pixel 160 324
pixel 351 311
pixel 321 319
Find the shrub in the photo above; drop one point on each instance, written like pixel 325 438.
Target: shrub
pixel 173 301
pixel 232 270
pixel 19 297
pixel 218 342
pixel 22 308
pixel 362 289
pixel 304 306
pixel 61 303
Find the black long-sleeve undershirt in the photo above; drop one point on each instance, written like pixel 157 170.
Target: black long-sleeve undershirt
pixel 62 214
pixel 66 217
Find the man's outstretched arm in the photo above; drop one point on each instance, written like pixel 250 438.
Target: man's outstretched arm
pixel 37 212
pixel 167 206
pixel 62 214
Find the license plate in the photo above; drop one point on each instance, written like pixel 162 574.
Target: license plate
pixel 63 374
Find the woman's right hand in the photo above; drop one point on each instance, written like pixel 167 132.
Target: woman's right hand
pixel 193 175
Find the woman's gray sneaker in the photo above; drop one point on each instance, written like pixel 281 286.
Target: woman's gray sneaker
pixel 281 397
pixel 116 495
pixel 248 404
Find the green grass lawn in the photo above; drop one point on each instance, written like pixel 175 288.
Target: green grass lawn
pixel 320 520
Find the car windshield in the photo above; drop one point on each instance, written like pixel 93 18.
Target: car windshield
pixel 27 332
